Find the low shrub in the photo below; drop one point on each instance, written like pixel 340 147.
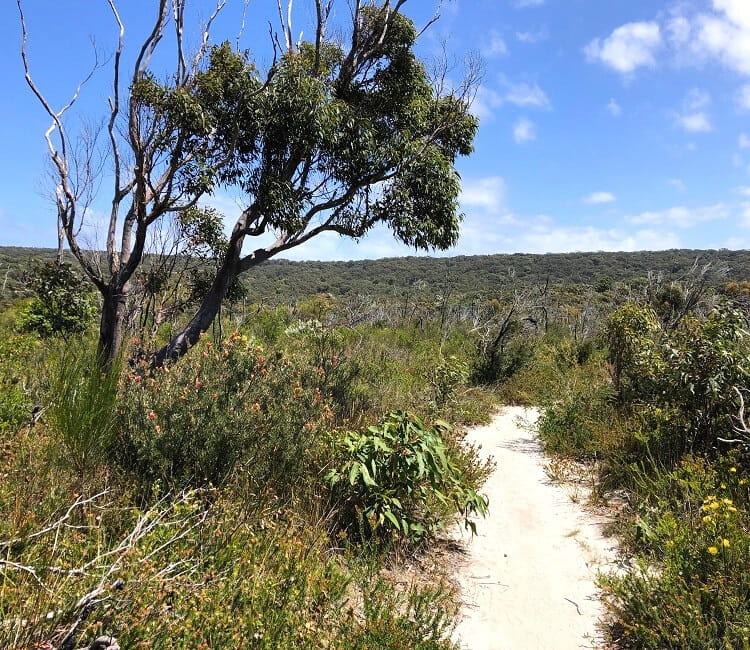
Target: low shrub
pixel 445 378
pixel 17 375
pixel 689 587
pixel 396 481
pixel 226 408
pixel 63 301
pixel 183 575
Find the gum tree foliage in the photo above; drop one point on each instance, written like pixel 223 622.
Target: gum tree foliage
pixel 339 134
pixel 62 302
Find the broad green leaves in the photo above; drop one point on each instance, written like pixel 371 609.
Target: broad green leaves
pixel 396 476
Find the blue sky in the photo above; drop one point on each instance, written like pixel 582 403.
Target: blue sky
pixel 605 125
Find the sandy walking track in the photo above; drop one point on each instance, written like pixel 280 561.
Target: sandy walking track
pixel 527 577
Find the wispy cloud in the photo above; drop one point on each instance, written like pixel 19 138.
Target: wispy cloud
pixel 691 33
pixel 596 198
pixel 495 45
pixel 523 94
pixel 743 97
pixel 628 47
pixel 532 37
pixel 695 122
pixel 524 130
pixel 487 194
pixel 681 216
pixel 613 107
pixel 692 118
pixel 677 183
pixel 522 4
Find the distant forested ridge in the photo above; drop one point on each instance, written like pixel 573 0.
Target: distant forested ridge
pixel 283 280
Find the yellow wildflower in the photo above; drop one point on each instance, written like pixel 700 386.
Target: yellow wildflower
pixel 706 519
pixel 725 543
pixel 713 550
pixel 732 469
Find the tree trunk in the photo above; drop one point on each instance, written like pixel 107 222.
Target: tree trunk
pixel 111 324
pixel 206 313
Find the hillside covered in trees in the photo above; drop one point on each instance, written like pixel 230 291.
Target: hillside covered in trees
pixel 284 281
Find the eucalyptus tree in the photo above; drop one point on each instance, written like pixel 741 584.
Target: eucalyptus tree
pixel 337 135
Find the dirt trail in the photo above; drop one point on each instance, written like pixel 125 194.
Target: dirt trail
pixel 527 577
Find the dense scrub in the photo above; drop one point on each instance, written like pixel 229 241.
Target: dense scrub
pixel 195 506
pixel 656 405
pixel 252 493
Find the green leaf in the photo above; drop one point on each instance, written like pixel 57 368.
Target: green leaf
pixel 392 518
pixel 368 480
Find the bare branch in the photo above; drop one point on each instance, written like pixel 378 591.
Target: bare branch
pixel 205 36
pixel 79 503
pixel 178 15
pixel 114 109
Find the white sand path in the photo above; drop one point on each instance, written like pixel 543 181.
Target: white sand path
pixel 527 579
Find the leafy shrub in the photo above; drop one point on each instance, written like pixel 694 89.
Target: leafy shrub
pixel 679 383
pixel 499 365
pixel 16 352
pixel 704 359
pixel 577 424
pixel 396 476
pixel 62 303
pixel 447 377
pixel 225 408
pixel 630 336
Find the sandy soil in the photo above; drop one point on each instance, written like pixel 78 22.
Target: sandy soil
pixel 527 577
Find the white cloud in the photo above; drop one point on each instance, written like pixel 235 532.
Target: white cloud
pixel 681 216
pixel 678 27
pixel 745 215
pixel 532 37
pixel 695 122
pixel 488 194
pixel 744 190
pixel 524 130
pixel 725 34
pixel 596 198
pixel 495 46
pixel 718 32
pixel 525 94
pixel 692 118
pixel 487 100
pixel 695 32
pixel 613 107
pixel 628 47
pixel 560 239
pixel 521 4
pixel 743 142
pixel 677 183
